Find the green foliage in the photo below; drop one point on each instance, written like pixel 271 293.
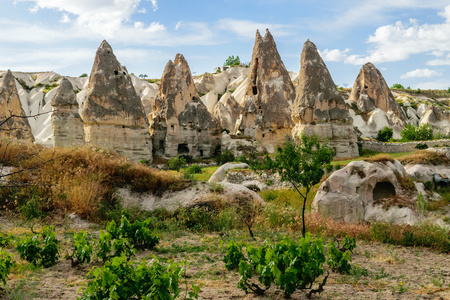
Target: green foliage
pixel 176 163
pixel 233 255
pixel 194 169
pixel 49 87
pixel 288 264
pixel 83 249
pixel 301 162
pixel 385 134
pixel 338 259
pixel 125 238
pixel 397 86
pixel 226 156
pixel 424 132
pixel 121 279
pixel 232 61
pixel 421 204
pixel 83 75
pixel 421 146
pixel 6 262
pixel 40 250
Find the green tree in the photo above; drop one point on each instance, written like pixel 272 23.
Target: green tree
pixel 424 132
pixel 397 86
pixel 385 134
pixel 300 162
pixel 232 61
pixel 84 75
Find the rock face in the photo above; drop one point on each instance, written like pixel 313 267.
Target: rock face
pixel 66 121
pixel 10 104
pixel 319 108
pixel 227 111
pixel 370 91
pixel 268 97
pixel 364 191
pixel 180 122
pixel 438 118
pixel 112 112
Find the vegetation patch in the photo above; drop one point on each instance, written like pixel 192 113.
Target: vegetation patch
pixel 425 157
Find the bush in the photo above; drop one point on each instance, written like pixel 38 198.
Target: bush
pixel 397 86
pixel 41 250
pixel 194 169
pixel 82 251
pixel 121 279
pixel 176 163
pixel 421 146
pixel 83 75
pixel 6 262
pixel 385 134
pixel 338 259
pixel 424 132
pixel 226 156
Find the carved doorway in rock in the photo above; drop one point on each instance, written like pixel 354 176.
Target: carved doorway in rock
pixel 383 190
pixel 183 148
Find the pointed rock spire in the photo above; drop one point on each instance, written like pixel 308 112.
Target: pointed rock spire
pixel 10 106
pixel 66 121
pixel 112 112
pixel 319 109
pixel 180 123
pixel 371 91
pixel 269 95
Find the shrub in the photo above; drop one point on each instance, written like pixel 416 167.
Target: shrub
pixel 6 262
pixel 424 132
pixel 41 250
pixel 226 156
pixel 176 163
pixel 82 251
pixel 338 259
pixel 421 146
pixel 194 169
pixel 83 75
pixel 397 86
pixel 385 134
pixel 121 279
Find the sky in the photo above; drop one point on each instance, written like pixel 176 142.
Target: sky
pixel 407 40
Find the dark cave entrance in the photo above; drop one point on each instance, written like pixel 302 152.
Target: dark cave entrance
pixel 383 190
pixel 183 148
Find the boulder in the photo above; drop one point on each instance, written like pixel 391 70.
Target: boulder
pixel 319 109
pixel 438 118
pixel 227 111
pixel 365 191
pixel 12 115
pixel 269 93
pixel 240 145
pixel 206 84
pixel 180 123
pixel 112 112
pixel 66 121
pixel 370 91
pixel 220 174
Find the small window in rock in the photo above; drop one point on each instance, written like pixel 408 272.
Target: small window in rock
pixel 255 90
pixel 259 107
pixel 193 98
pixel 199 131
pixel 366 87
pixel 161 144
pixel 124 73
pixel 264 135
pixel 183 148
pixel 201 152
pixel 123 126
pixel 383 190
pixel 116 72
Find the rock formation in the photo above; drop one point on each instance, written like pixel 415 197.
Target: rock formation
pixel 438 118
pixel 268 97
pixel 365 191
pixel 66 121
pixel 180 122
pixel 11 111
pixel 227 111
pixel 319 109
pixel 370 91
pixel 112 112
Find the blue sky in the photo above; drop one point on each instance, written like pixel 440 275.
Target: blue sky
pixel 408 40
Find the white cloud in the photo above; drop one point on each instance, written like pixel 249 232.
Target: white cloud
pixel 334 55
pixel 246 29
pixel 420 73
pixel 154 5
pixel 178 25
pixel 65 19
pixel 142 11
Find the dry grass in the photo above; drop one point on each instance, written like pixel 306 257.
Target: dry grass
pixel 382 158
pixel 425 157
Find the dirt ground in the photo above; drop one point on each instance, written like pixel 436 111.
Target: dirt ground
pixel 382 271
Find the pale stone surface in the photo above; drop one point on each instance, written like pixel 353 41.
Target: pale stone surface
pixel 348 194
pixel 438 118
pixel 112 113
pixel 66 121
pixel 319 109
pixel 220 174
pixel 424 173
pixel 10 105
pixel 371 91
pixel 179 122
pixel 210 100
pixel 227 111
pixel 268 96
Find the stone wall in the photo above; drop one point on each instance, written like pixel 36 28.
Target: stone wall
pixel 399 147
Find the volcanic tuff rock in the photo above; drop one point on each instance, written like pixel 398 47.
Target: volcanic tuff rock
pixel 10 104
pixel 180 122
pixel 438 118
pixel 227 111
pixel 112 111
pixel 66 121
pixel 319 108
pixel 268 97
pixel 370 91
pixel 363 190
